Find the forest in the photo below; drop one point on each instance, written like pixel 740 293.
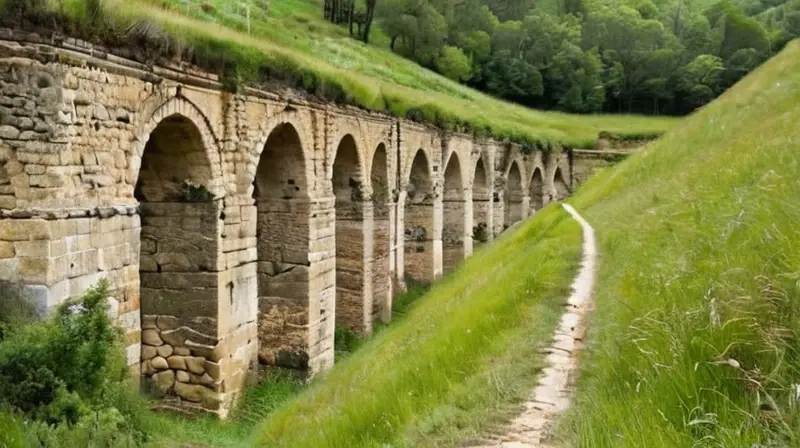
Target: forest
pixel 584 56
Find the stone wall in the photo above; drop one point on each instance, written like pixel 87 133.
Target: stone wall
pixel 216 217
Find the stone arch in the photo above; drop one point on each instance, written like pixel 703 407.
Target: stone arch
pixel 536 190
pixel 481 203
pixel 419 220
pixel 353 138
pixel 300 138
pixel 281 190
pixel 381 284
pixel 453 210
pixel 178 250
pixel 180 110
pixel 559 185
pixel 513 195
pixel 353 304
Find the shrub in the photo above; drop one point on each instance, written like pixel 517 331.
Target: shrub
pixel 453 63
pixel 195 193
pixel 345 341
pixel 65 377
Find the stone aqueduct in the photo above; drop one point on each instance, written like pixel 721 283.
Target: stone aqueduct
pixel 233 228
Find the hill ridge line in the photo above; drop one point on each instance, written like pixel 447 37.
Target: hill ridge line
pixel 551 396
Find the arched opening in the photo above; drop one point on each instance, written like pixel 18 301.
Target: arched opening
pixel 419 221
pixel 536 191
pixel 562 190
pixel 178 254
pixel 513 196
pixel 282 244
pixel 453 209
pixel 481 203
pixel 353 308
pixel 381 248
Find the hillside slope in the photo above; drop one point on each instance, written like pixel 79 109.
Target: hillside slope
pixel 694 340
pixel 450 368
pixel 298 49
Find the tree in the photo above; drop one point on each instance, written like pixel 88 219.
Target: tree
pixel 699 81
pixel 453 63
pixel 513 78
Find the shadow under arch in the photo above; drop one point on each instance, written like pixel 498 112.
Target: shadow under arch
pixel 418 221
pixel 381 240
pixel 454 215
pixel 178 251
pixel 283 209
pixel 354 307
pixel 513 196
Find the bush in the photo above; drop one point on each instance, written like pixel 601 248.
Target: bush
pixel 453 63
pixel 345 342
pixel 66 378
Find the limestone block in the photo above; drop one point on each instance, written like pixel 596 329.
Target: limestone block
pixel 164 380
pixel 6 249
pixel 165 351
pixel 149 322
pixel 146 368
pixel 183 376
pixel 181 351
pixel 148 352
pixel 191 392
pixel 8 132
pixel 159 363
pixel 177 362
pixel 213 369
pixel 167 322
pixel 196 364
pixel 152 337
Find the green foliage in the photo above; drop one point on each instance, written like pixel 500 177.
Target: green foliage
pixel 16 308
pixel 700 79
pixel 693 339
pixel 65 378
pixel 402 302
pixel 453 63
pixel 480 232
pixel 191 192
pixel 345 342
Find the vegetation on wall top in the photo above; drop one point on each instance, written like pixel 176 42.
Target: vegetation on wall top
pixel 307 53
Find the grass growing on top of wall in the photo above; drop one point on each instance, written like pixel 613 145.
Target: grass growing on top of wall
pixel 451 367
pixel 291 43
pixel 694 340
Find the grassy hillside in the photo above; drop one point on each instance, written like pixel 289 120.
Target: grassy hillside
pixel 451 367
pixel 292 43
pixel 694 340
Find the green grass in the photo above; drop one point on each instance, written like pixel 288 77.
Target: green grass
pixel 450 368
pixel 293 44
pixel 700 254
pixel 271 392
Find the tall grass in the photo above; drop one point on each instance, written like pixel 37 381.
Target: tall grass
pixel 694 341
pixel 291 45
pixel 451 367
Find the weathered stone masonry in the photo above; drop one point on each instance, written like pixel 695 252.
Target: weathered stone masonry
pixel 234 229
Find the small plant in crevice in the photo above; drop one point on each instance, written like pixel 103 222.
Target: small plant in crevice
pixel 480 232
pixel 345 342
pixel 356 190
pixel 380 192
pixel 191 192
pixel 416 234
pixel 415 289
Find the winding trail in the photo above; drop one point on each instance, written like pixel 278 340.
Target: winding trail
pixel 551 396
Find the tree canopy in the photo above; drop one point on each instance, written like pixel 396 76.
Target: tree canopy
pixel 643 56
